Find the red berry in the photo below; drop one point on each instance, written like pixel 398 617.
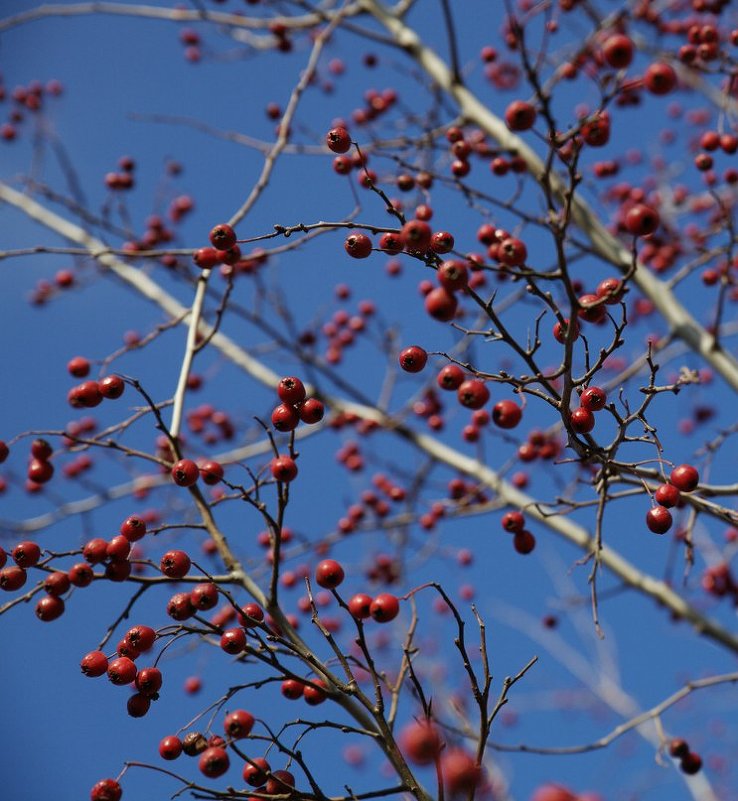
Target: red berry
pixel 207 258
pixel 391 243
pixel 642 220
pixel 417 235
pixel 49 608
pixel 450 377
pixel 238 724
pixel 338 140
pixel 255 771
pixel 441 304
pixel 40 471
pixel 582 420
pixel 421 742
pixel 79 367
pixel 12 578
pixel 453 275
pixel 148 681
pixel 233 641
pixel 121 671
pixel 506 414
pixel 292 689
pixel 659 519
pixel 520 116
pixel 26 554
pixel 133 528
pixel 141 638
pixel 175 564
pixel 685 477
pixel 279 783
pixel 111 387
pixel 691 763
pixel 513 521
pixel 106 790
pixel 358 245
pixel 618 51
pixel 170 747
pixel 179 606
pixel 185 473
pixel 94 664
pixel 81 574
pixel 560 331
pixel 461 774
pixel 473 393
pixel 593 399
pixel 314 695
pixel 413 359
pixel 118 548
pixel 329 574
pixel 311 411
pixel 512 252
pixel 204 596
pixel 611 289
pixel 360 606
pixel 384 607
pixel 442 242
pixel 283 468
pixel 57 583
pixel 222 237
pixel 95 551
pixel 214 762
pixel 660 78
pixel 523 541
pixel 285 417
pixel 667 495
pixel 291 390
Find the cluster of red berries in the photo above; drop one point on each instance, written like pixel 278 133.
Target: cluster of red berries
pixel 25 98
pixel 224 250
pixel 683 478
pixel 689 761
pixel 295 406
pixel 186 473
pixel 89 394
pixel 514 523
pixel 329 574
pixel 213 425
pixel 343 329
pixel 123 179
pixel 582 419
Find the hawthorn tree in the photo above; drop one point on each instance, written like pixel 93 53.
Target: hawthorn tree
pixel 369 398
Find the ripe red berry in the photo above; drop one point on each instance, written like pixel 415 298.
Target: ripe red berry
pixel 279 783
pixel 111 387
pixel 453 275
pixel 57 583
pixel 520 116
pixel 285 417
pixel 133 528
pixel 441 304
pixel 222 237
pixel 513 521
pixel 238 724
pixel 413 359
pixel 141 638
pixel 461 774
pixel 207 258
pixel 95 550
pixel 473 393
pixel 611 289
pixel 421 742
pixel 81 574
pixel 291 390
pixel 148 681
pixel 582 420
pixel 593 399
pixel 40 471
pixel 660 78
pixel 175 564
pixel 204 596
pixel 691 763
pixel 667 495
pixel 360 606
pixel 49 608
pixel 185 473
pixel 118 548
pixel 106 790
pixel 659 519
pixel 233 641
pixel 26 554
pixel 416 235
pixel 79 367
pixel 618 51
pixel 121 671
pixel 292 689
pixel 391 243
pixel 384 607
pixel 213 762
pixel 12 578
pixel 338 140
pixel 450 377
pixel 685 477
pixel 94 664
pixel 179 606
pixel 314 694
pixel 642 220
pixel 311 411
pixel 358 245
pixel 592 309
pixel 329 574
pixel 506 414
pixel 283 468
pixel 255 771
pixel 523 541
pixel 442 242
pixel 170 747
pixel 4 451
pixel 560 331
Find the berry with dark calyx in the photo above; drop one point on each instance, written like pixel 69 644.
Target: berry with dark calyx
pixel 121 671
pixel 111 387
pixel 291 390
pixel 133 528
pixel 106 790
pixel 506 414
pixel 582 420
pixel 441 304
pixel 285 417
pixel 512 252
pixel 222 237
pixel 49 608
pixel 473 393
pixel 57 583
pixel 560 331
pixel 279 783
pixel 360 606
pixel 211 472
pixel 329 574
pixel 442 242
pixel 193 743
pixel 148 681
pixel 179 606
pixel 255 771
pixel 238 724
pixel 283 468
pixel 593 399
pixel 659 519
pixel 338 140
pixel 185 473
pixel 413 359
pixel 453 275
pixel 170 747
pixel 384 607
pixel 94 664
pixel 12 578
pixel 314 693
pixel 450 377
pixel 311 411
pixel 685 477
pixel 95 550
pixel 520 116
pixel 81 574
pixel 391 243
pixel 611 289
pixel 291 689
pixel 233 641
pixel 41 449
pixel 618 51
pixel 358 245
pixel 204 596
pixel 79 367
pixel 642 220
pixel 417 235
pixel 214 762
pixel 141 638
pixel 667 495
pixel 592 309
pixel 175 564
pixel 660 78
pixel 678 748
pixel 523 542
pixel 513 521
pixel 26 554
pixel 252 614
pixel 118 548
